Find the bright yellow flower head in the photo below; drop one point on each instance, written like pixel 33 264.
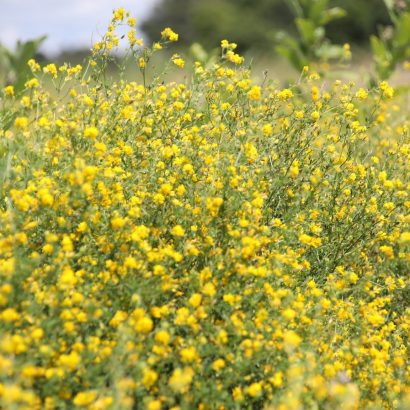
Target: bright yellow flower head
pixel 168 34
pixel 91 132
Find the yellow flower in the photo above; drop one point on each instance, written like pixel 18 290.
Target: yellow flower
pixel 149 378
pixel 144 325
pixel 277 379
pixel 67 278
pixel 294 170
pixel 225 44
pixel 162 337
pixel 118 222
pixel 70 361
pixel 51 69
pixel 91 132
pixel 33 83
pixel 85 398
pixel 285 94
pixel 119 14
pixel 387 90
pixel 375 318
pixel 34 66
pixel 310 240
pixel 178 61
pixel 195 300
pixel 166 189
pixel 361 94
pixel 9 91
pixel 347 54
pixel 45 197
pixel 37 334
pixel 119 317
pixel 237 394
pixel 218 365
pixel 289 314
pixel 267 129
pixel 178 231
pixel 48 248
pixel 154 405
pixel 10 315
pixel 142 62
pixel 181 379
pixel 315 115
pixel 170 35
pixel 188 354
pixel 132 21
pixel 209 289
pixel 387 250
pixel 21 122
pixel 233 57
pixel 405 237
pixel 291 339
pixel 255 93
pixel 254 390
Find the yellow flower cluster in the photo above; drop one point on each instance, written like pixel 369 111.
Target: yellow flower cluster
pixel 219 245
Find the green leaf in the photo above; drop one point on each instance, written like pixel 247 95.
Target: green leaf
pixel 380 51
pixel 306 30
pixel 402 33
pixel 198 53
pixel 332 14
pixel 389 4
pixel 329 51
pixel 4 60
pixel 320 33
pixel 382 58
pixel 293 55
pixel 316 10
pixel 17 61
pixel 286 40
pixel 295 7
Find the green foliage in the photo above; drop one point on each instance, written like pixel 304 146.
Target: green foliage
pixel 310 45
pixel 14 64
pixel 254 24
pixel 209 22
pixel 199 54
pixel 392 46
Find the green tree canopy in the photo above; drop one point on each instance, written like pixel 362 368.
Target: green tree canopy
pixel 253 23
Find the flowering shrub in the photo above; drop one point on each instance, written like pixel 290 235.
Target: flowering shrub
pixel 217 244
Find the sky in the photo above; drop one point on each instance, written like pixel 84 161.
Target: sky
pixel 68 23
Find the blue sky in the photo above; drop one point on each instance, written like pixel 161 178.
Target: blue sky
pixel 68 24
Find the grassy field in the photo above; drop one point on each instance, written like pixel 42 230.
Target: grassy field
pixel 209 241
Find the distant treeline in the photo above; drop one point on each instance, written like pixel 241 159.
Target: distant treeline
pixel 254 23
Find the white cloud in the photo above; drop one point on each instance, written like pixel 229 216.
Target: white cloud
pixel 9 35
pixel 68 24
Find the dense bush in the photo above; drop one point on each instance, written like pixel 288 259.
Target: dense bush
pixel 214 244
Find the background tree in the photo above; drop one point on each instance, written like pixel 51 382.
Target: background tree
pixel 13 63
pixel 254 23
